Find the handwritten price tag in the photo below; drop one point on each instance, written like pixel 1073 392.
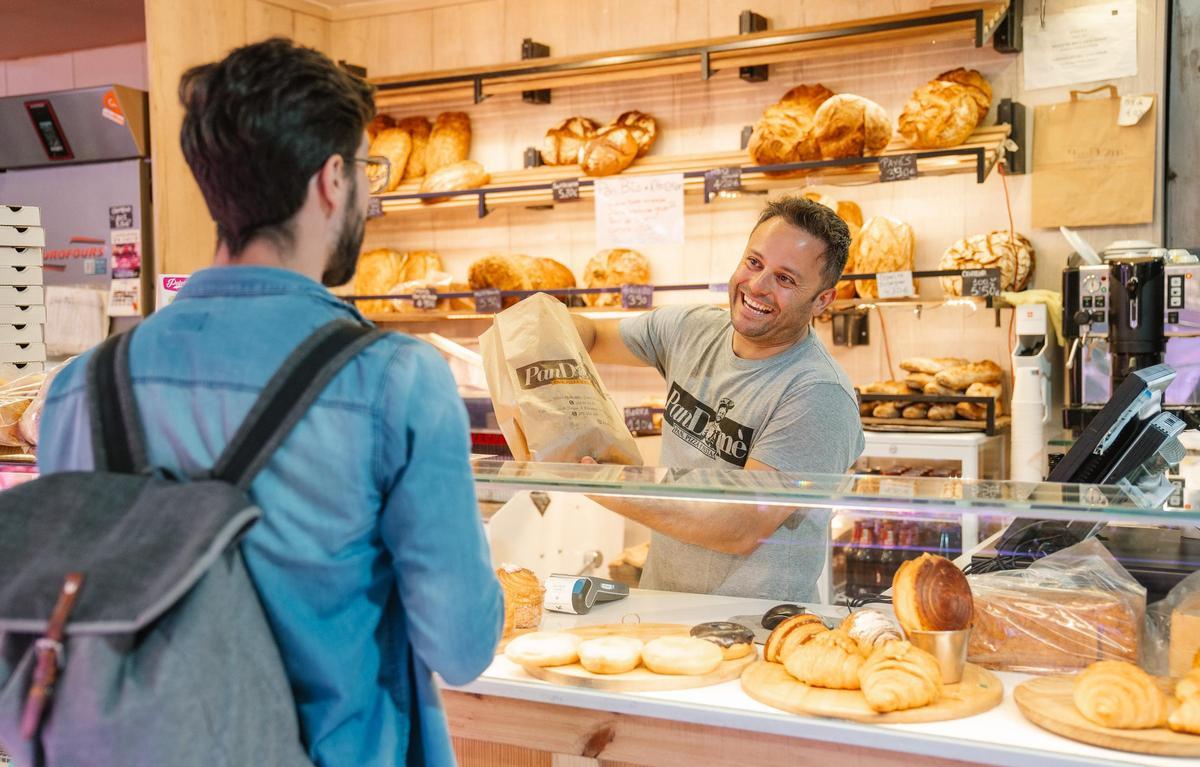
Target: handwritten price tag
pixel 565 190
pixel 895 284
pixel 637 296
pixel 424 299
pixel 720 180
pixel 981 282
pixel 488 301
pixel 899 167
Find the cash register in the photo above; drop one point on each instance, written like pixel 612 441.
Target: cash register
pixel 1131 442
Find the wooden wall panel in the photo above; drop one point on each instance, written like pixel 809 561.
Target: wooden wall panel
pixel 265 20
pixel 469 35
pixel 312 31
pixel 179 35
pixel 402 42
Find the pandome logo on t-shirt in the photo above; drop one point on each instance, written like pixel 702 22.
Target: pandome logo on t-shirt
pixel 710 431
pixel 547 372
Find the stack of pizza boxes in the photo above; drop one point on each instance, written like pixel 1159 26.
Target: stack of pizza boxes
pixel 22 297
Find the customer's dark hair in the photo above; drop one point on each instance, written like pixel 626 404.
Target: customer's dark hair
pixel 820 222
pixel 259 124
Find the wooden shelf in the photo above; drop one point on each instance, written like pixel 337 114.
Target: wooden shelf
pixel 972 22
pixel 532 186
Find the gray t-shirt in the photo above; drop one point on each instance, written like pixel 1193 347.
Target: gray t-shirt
pixel 794 411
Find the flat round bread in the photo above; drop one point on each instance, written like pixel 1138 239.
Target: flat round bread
pixel 611 655
pixel 681 655
pixel 543 648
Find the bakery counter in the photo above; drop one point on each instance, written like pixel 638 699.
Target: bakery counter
pixel 508 717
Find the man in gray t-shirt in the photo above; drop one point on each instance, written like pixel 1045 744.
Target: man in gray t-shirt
pixel 748 388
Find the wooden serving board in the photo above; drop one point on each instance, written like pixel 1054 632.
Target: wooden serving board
pixel 1047 702
pixel 641 679
pixel 769 683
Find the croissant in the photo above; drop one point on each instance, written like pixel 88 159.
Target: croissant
pixel 790 634
pixel 1114 693
pixel 828 660
pixel 871 629
pixel 898 676
pixel 1186 718
pixel 1189 686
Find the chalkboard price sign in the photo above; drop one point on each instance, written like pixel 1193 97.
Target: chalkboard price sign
pixel 637 296
pixel 639 420
pixel 981 282
pixel 425 299
pixel 565 190
pixel 487 301
pixel 898 167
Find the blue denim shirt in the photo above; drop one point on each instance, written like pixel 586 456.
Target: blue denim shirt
pixel 370 542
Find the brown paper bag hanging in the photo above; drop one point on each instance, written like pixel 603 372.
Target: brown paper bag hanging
pixel 1087 169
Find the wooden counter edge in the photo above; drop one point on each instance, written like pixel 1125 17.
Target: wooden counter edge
pixel 494 731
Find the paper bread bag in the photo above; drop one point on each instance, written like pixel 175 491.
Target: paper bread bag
pixel 548 398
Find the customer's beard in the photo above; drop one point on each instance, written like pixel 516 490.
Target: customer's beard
pixel 339 268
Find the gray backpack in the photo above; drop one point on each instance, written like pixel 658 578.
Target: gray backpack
pixel 130 631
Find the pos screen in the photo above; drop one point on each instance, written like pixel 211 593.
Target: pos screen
pixel 48 130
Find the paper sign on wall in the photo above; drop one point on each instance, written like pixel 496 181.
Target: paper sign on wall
pixel 168 287
pixel 635 211
pixel 125 298
pixel 1080 44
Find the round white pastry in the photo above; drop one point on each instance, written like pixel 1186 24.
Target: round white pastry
pixel 681 655
pixel 543 648
pixel 610 655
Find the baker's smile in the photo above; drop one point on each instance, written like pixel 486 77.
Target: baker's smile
pixel 755 306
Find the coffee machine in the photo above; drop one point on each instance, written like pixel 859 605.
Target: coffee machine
pixel 1138 307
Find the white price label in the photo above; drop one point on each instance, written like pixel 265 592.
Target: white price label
pixel 895 284
pixel 897 488
pixel 1133 109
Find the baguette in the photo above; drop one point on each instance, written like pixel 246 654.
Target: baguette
pixel 942 412
pixel 918 381
pixel 935 389
pixel 977 411
pixel 886 410
pixel 931 365
pixel 916 411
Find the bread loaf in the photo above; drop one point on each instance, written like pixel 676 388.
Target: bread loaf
pixel 940 114
pixel 975 411
pixel 992 250
pixel 931 365
pixel 935 389
pixel 1184 644
pixel 1033 629
pixel 613 268
pixel 515 271
pixel 418 129
pixel 851 126
pixel 524 592
pixel 467 174
pixel 885 387
pixel 916 411
pixel 846 210
pixel 803 101
pixel 977 87
pixel 609 152
pixel 449 142
pixel 883 245
pixel 643 126
pixel 963 376
pixel 378 270
pixel 942 412
pixel 553 275
pixel 780 138
pixel 379 123
pixel 886 410
pixel 396 145
pixel 918 381
pixel 562 142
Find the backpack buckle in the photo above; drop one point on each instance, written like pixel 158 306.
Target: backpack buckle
pixel 50 656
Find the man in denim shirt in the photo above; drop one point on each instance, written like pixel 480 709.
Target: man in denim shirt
pixel 370 557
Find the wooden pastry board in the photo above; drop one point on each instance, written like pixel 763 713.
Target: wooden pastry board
pixel 769 683
pixel 640 679
pixel 1047 702
pixel 924 424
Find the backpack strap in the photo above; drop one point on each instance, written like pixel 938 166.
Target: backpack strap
pixel 118 442
pixel 287 397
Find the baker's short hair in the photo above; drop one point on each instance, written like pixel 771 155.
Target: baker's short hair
pixel 820 222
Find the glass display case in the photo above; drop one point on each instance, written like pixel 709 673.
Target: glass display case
pixel 1029 626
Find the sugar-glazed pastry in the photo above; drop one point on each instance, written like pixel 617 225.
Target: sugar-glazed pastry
pixel 1114 693
pixel 870 628
pixel 543 648
pixel 681 655
pixel 611 655
pixel 524 592
pixel 930 593
pixel 734 639
pixel 790 634
pixel 831 659
pixel 898 676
